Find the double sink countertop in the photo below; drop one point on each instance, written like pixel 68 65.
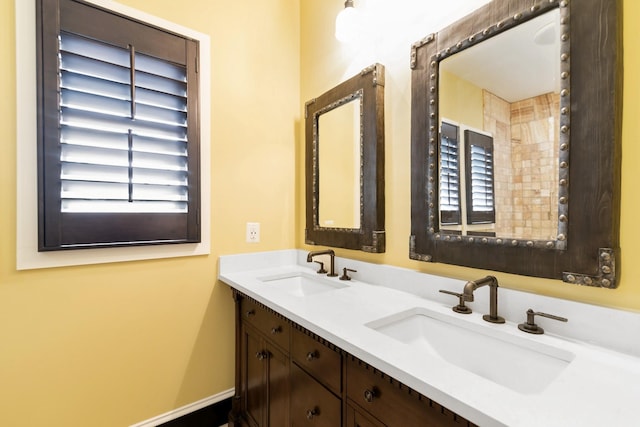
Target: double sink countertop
pixel 585 372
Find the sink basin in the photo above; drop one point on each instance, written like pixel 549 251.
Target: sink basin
pixel 521 364
pixel 302 284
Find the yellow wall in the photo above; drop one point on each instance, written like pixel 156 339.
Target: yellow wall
pixel 111 345
pixel 464 103
pixel 325 62
pixel 115 344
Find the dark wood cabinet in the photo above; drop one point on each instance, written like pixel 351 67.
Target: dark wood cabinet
pixel 286 376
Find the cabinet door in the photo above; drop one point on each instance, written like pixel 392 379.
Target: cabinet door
pixel 253 384
pixel 265 381
pixel 277 385
pixel 312 405
pixel 357 419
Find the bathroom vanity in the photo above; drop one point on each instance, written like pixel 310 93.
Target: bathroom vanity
pixel 385 349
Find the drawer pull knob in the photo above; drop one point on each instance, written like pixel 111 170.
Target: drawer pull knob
pixel 262 355
pixel 276 330
pixel 312 355
pixel 312 413
pixel 251 313
pixel 369 395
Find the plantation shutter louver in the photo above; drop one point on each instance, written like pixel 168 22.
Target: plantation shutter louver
pixel 123 145
pixel 121 165
pixel 479 179
pixel 449 175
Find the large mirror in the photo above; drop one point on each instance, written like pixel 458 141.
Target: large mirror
pixel 516 140
pixel 344 166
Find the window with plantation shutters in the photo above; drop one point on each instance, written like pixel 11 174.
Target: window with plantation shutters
pixel 479 178
pixel 449 175
pixel 119 156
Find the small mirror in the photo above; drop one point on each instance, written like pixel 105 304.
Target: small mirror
pixel 344 165
pixel 515 140
pixel 339 156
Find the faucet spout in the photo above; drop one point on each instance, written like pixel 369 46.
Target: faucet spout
pixel 472 285
pixel 332 256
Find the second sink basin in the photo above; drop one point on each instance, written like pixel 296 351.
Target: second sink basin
pixel 518 363
pixel 302 284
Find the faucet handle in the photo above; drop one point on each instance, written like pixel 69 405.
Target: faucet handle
pixel 321 270
pixel 530 327
pixel 460 308
pixel 345 276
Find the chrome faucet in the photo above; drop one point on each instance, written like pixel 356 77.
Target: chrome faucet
pixel 332 256
pixel 472 285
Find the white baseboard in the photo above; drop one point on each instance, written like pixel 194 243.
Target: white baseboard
pixel 185 410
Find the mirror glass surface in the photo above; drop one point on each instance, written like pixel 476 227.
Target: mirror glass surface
pixel 339 142
pixel 499 110
pixel 528 182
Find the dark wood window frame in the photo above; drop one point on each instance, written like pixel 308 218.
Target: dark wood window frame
pixel 58 230
pixel 475 139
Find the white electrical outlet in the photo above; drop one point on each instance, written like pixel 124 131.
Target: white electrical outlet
pixel 253 232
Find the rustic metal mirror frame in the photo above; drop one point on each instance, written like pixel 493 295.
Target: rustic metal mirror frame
pixel 368 86
pixel 587 243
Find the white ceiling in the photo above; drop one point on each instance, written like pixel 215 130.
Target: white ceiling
pixel 517 64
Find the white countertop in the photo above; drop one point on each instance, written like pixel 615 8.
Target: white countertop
pixel 599 387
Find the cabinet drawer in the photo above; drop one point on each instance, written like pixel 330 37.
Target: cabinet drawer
pixel 311 403
pixel 274 327
pixel 322 362
pixel 393 403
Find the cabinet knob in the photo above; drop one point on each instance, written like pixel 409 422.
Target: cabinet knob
pixel 369 395
pixel 312 413
pixel 276 330
pixel 312 355
pixel 262 355
pixel 250 313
